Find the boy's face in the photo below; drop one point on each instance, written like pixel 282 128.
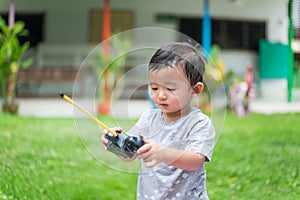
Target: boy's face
pixel 171 91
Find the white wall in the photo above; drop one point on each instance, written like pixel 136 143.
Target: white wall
pixel 67 21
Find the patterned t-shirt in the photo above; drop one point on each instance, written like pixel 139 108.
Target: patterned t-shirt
pixel 193 132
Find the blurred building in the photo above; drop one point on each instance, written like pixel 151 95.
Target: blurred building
pixel 64 31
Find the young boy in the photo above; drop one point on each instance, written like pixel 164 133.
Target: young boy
pixel 179 139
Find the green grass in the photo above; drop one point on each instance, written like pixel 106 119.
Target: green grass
pixel 256 157
pixel 45 159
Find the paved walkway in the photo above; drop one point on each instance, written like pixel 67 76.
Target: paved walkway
pixel 269 107
pixel 56 107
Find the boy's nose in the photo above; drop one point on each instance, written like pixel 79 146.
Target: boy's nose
pixel 162 95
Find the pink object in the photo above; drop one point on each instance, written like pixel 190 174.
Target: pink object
pixel 242 93
pixel 11 19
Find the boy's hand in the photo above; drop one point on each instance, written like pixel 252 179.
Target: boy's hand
pixel 105 132
pixel 151 153
pixel 105 142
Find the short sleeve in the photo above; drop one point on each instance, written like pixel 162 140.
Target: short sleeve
pixel 202 138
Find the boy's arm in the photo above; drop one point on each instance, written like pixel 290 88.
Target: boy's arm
pixel 186 160
pixel 152 154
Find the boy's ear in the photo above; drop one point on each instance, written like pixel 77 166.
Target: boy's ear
pixel 198 87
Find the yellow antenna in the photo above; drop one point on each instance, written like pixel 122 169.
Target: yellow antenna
pixel 92 117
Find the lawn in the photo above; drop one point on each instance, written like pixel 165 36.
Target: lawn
pixel 256 157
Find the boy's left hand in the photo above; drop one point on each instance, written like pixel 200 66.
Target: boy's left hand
pixel 150 153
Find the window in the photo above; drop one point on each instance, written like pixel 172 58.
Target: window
pixel 229 34
pixel 34 23
pixel 120 21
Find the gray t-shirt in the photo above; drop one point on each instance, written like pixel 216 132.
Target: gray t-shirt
pixel 193 132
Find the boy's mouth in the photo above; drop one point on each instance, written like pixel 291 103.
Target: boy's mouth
pixel 163 105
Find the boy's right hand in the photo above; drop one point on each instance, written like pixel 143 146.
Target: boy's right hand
pixel 105 142
pixel 106 132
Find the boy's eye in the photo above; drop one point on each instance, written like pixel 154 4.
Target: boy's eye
pixel 154 88
pixel 171 89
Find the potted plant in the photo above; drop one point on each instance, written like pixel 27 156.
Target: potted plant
pixel 213 77
pixel 11 52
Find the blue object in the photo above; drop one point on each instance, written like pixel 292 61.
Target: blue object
pixel 206 29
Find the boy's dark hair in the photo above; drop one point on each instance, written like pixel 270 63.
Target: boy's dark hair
pixel 184 55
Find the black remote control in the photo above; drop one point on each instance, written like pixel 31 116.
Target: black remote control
pixel 124 145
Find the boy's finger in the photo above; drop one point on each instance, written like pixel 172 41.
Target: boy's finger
pixel 150 164
pixel 119 129
pixel 146 140
pixel 104 140
pixel 144 148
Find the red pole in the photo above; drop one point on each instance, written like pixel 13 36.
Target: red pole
pixel 104 108
pixel 106 28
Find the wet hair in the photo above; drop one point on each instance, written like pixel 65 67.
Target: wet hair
pixel 183 55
